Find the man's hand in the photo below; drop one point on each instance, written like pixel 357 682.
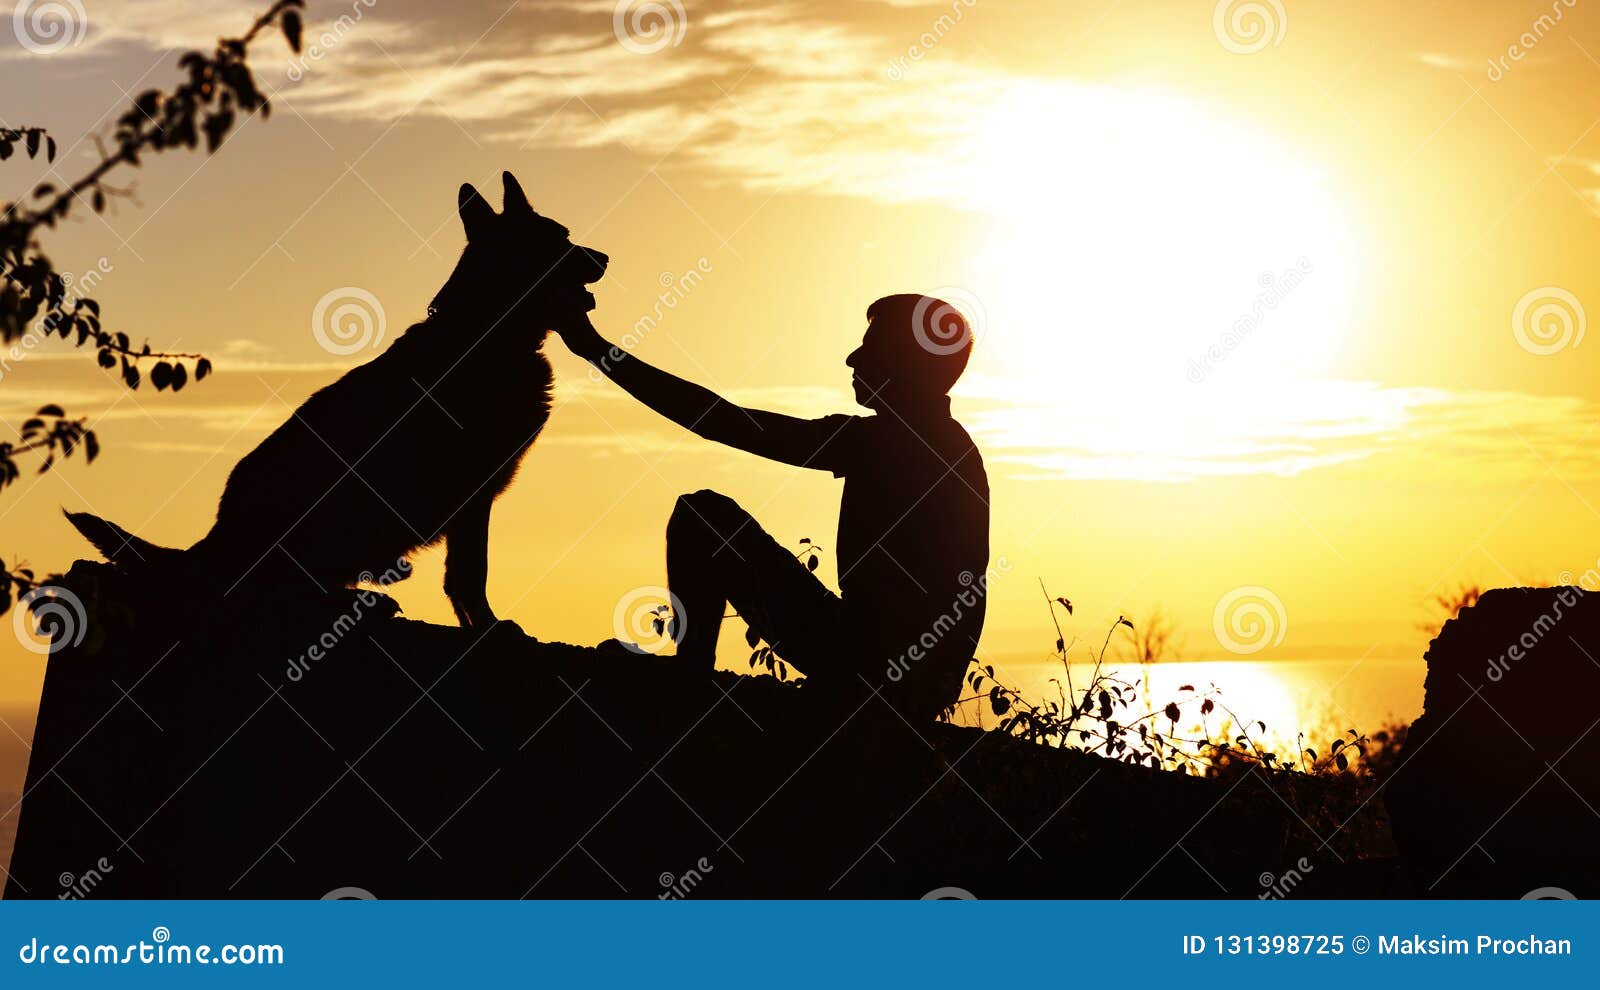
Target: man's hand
pixel 581 338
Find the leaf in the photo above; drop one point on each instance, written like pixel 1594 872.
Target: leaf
pixel 33 143
pixel 1000 704
pixel 805 541
pixel 52 410
pixel 1066 605
pixel 291 29
pixel 811 563
pixel 202 368
pixel 1206 707
pixel 751 638
pixel 1341 761
pixel 161 375
pixel 1123 621
pixel 1172 711
pixel 180 378
pixel 1060 644
pixel 50 149
pixel 98 202
pixel 91 446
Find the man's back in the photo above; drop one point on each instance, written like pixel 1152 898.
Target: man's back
pixel 913 544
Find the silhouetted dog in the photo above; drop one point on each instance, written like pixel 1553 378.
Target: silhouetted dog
pixel 409 448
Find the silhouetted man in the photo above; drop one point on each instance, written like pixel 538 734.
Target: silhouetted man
pixel 913 538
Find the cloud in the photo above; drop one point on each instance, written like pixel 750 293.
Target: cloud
pixel 1295 428
pixel 767 94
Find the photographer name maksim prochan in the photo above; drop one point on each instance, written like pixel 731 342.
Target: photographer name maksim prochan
pixel 1483 945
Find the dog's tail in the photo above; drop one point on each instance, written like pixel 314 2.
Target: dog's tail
pixel 118 545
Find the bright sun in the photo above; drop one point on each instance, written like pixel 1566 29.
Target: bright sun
pixel 1142 247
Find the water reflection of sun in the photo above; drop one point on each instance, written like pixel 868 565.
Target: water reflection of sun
pixel 1302 703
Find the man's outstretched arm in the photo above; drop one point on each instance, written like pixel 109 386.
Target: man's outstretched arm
pixel 702 411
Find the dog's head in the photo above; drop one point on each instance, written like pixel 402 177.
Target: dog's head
pixel 518 261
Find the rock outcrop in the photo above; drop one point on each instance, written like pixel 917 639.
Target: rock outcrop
pixel 1497 791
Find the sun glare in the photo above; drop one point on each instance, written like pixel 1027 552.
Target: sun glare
pixel 1142 246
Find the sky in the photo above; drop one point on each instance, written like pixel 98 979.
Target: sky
pixel 1279 306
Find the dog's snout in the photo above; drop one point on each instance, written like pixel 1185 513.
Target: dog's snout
pixel 597 262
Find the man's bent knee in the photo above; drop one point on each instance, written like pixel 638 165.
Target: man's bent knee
pixel 708 510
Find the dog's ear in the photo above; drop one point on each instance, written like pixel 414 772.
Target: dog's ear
pixel 515 199
pixel 476 213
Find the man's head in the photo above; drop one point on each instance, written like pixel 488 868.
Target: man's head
pixel 914 349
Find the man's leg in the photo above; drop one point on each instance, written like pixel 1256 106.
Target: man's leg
pixel 716 553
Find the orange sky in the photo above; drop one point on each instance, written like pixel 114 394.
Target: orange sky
pixel 1247 304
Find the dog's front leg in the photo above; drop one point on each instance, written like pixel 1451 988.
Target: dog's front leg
pixel 466 563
